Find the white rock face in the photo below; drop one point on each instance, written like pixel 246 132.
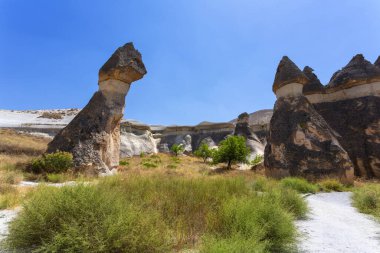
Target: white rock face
pixel 290 90
pixel 369 89
pixel 132 144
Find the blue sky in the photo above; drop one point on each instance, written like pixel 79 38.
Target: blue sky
pixel 206 60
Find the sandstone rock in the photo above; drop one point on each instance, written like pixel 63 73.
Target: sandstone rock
pixel 133 145
pixel 186 143
pixel 358 71
pixel 209 142
pixel 358 123
pixel 288 73
pixel 300 142
pixel 313 85
pixel 377 62
pixel 93 136
pixel 252 141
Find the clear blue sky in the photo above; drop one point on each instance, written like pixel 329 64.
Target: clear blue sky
pixel 206 60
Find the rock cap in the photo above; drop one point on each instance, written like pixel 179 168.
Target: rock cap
pixel 357 72
pixel 125 65
pixel 288 72
pixel 314 85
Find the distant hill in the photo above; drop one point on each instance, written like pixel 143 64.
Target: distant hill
pixel 261 117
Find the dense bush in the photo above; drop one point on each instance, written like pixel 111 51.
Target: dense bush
pixel 177 149
pixel 86 219
pixel 233 149
pixel 157 214
pixel 299 184
pixel 52 163
pixel 204 152
pixel 259 219
pixel 329 185
pixel 367 199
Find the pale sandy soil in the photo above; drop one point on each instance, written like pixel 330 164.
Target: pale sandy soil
pixel 335 226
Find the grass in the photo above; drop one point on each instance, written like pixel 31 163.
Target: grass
pixel 158 213
pixel 301 185
pixel 329 185
pixel 366 199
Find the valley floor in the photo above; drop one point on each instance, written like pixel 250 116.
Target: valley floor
pixel 334 226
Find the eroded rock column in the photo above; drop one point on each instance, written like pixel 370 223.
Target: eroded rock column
pixel 93 136
pixel 300 142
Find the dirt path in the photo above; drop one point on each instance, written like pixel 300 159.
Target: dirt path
pixel 335 226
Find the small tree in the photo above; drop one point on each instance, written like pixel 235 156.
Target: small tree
pixel 204 152
pixel 232 149
pixel 177 149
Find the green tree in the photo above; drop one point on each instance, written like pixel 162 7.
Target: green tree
pixel 177 149
pixel 232 149
pixel 204 152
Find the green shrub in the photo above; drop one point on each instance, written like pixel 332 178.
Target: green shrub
pixel 329 185
pixel 258 219
pixel 233 149
pixel 204 152
pixel 55 177
pixel 367 199
pixel 158 213
pixel 123 163
pixel 257 160
pixel 52 163
pixel 86 219
pixel 291 201
pixel 177 149
pixel 299 184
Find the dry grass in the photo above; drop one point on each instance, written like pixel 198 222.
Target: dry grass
pixel 12 142
pixel 16 151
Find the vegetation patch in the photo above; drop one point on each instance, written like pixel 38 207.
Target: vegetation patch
pixel 52 163
pixel 366 199
pixel 329 185
pixel 157 214
pixel 301 185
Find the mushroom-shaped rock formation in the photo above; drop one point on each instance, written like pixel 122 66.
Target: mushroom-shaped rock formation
pixel 300 142
pixel 357 72
pixel 242 128
pixel 93 136
pixel 313 85
pixel 351 106
pixel 289 79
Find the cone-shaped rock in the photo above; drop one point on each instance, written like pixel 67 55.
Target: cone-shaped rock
pixel 288 73
pixel 313 85
pixel 301 143
pixel 377 62
pixel 358 71
pixel 93 136
pixel 242 128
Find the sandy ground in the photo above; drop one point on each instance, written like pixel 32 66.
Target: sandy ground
pixel 5 217
pixel 335 226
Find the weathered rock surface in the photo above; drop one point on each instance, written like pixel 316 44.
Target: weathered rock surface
pixel 351 106
pixel 93 136
pixel 178 134
pixel 358 71
pixel 242 128
pixel 288 74
pixel 300 141
pixel 313 85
